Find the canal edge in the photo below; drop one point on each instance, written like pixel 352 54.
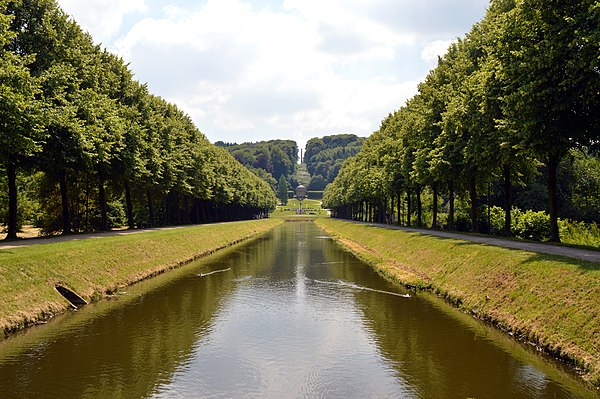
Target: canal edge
pixel 419 282
pixel 46 311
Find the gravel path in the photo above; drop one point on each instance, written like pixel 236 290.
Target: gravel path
pixel 551 249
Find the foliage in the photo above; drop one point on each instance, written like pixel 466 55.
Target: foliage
pixel 106 148
pixel 519 91
pixel 580 189
pixel 282 190
pixel 530 225
pixel 324 157
pixel 579 233
pixel 317 183
pixel 276 157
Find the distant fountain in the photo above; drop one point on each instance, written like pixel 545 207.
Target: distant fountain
pixel 300 195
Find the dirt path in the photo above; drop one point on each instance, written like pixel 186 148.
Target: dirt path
pixel 24 242
pixel 551 249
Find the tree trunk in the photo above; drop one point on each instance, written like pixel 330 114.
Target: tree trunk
pixel 419 207
pixel 408 206
pixel 62 181
pixel 167 205
pixel 130 221
pixel 473 196
pixel 553 161
pixel 102 200
pixel 507 200
pixel 150 208
pixel 399 205
pixel 186 210
pixel 435 206
pixel 451 204
pixel 392 209
pixel 11 170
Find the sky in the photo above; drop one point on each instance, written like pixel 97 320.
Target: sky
pixel 253 70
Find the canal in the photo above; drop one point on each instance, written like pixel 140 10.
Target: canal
pixel 289 315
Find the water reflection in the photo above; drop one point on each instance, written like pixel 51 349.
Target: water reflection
pixel 290 315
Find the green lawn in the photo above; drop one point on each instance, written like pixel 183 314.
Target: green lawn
pixel 311 208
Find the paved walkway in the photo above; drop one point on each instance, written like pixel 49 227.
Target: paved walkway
pixel 551 249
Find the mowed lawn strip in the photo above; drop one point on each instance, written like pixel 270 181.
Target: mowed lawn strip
pixel 551 301
pixel 95 267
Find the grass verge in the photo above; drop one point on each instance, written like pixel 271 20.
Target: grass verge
pixel 98 266
pixel 549 301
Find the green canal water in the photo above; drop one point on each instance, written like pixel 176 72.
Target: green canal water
pixel 290 315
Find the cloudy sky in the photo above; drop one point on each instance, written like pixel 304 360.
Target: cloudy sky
pixel 251 70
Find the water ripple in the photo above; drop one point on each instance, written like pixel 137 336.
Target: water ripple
pixel 360 287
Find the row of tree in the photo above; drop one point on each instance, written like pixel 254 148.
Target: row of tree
pixel 521 89
pixel 73 117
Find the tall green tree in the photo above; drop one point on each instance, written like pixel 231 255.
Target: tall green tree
pixel 551 60
pixel 20 136
pixel 282 190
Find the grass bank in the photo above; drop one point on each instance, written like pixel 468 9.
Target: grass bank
pixel 97 267
pixel 550 301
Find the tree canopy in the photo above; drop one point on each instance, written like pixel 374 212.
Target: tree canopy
pixel 324 157
pixel 267 159
pixel 103 147
pixel 520 90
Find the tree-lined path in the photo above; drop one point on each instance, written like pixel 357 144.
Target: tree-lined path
pixel 550 249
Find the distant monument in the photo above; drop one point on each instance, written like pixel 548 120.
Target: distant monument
pixel 300 195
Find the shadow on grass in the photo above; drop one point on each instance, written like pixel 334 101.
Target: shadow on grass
pixel 588 266
pixel 581 264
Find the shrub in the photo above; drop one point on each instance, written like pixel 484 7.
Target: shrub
pixel 579 233
pixel 496 220
pixel 530 225
pixel 462 221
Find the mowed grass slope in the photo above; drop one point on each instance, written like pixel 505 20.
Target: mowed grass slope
pixel 98 266
pixel 551 301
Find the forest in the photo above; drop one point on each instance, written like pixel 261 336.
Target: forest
pixel 324 157
pixel 508 118
pixel 85 147
pixel 269 160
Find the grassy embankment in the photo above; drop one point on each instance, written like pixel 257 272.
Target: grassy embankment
pixel 551 301
pixel 98 266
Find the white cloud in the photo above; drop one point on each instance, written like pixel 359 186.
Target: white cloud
pixel 295 69
pixel 436 49
pixel 102 18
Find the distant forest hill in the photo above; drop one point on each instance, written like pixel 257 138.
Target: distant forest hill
pixel 275 158
pixel 269 160
pixel 324 157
